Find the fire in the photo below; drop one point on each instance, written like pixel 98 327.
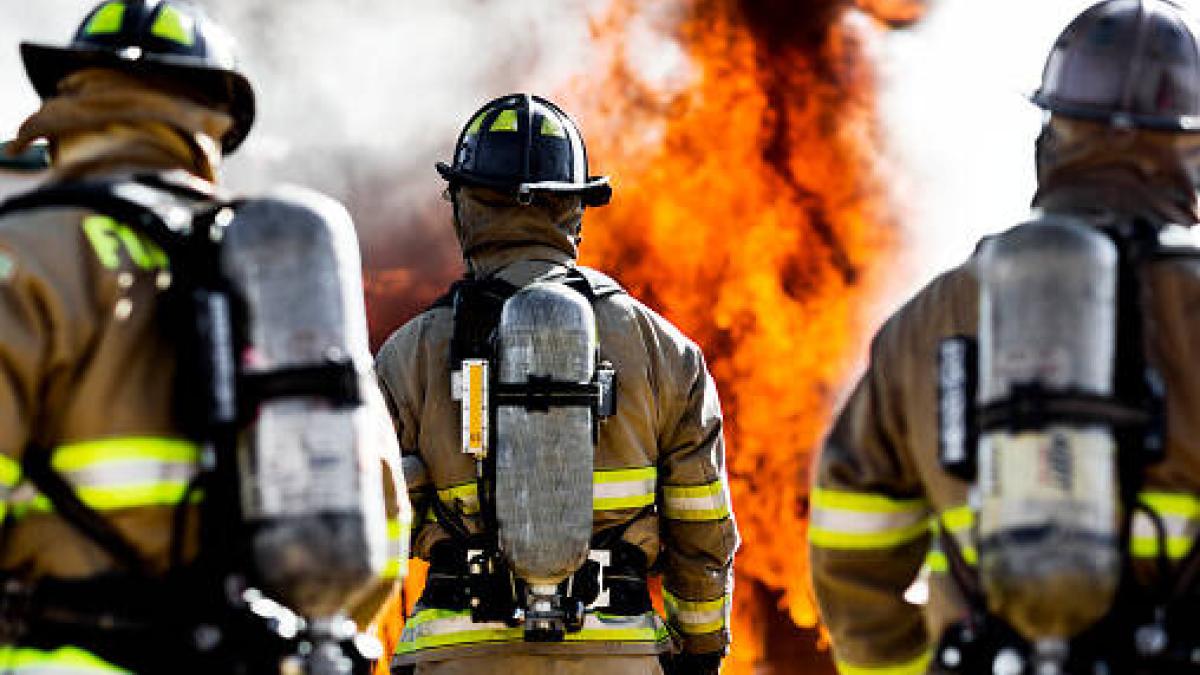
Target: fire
pixel 751 210
pixel 757 220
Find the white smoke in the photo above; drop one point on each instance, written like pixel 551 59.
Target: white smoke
pixel 956 111
pixel 357 98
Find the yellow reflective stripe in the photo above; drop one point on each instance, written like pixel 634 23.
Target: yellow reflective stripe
pixel 551 127
pixel 175 26
pixel 917 666
pixel 505 121
pixel 696 502
pixel 476 124
pixel 124 472
pixel 10 472
pixel 398 530
pixel 863 502
pixel 1180 516
pixel 697 618
pixel 958 518
pixel 863 541
pixel 106 20
pixel 855 520
pixel 434 628
pixel 85 454
pixel 61 661
pixel 465 495
pixel 612 489
pixel 623 488
pixel 1172 503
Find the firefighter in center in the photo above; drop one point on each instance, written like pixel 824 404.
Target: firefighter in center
pixel 1025 433
pixel 561 441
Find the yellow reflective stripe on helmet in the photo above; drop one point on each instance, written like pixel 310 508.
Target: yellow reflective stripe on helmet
pixel 1180 516
pixel 61 661
pixel 175 26
pixel 476 124
pixel 614 489
pixel 697 617
pixel 464 495
pixel 917 666
pixel 434 628
pixel 551 127
pixel 854 520
pixel 505 121
pixel 106 20
pixel 696 502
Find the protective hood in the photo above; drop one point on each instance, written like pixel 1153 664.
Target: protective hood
pixel 1088 166
pixel 120 119
pixel 489 223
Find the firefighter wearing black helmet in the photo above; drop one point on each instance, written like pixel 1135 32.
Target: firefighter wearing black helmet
pixel 107 492
pixel 958 464
pixel 654 491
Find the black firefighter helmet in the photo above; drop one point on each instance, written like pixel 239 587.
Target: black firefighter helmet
pixel 167 39
pixel 1128 63
pixel 523 144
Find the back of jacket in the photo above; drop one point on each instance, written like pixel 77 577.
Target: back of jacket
pixel 659 468
pixel 86 375
pixel 881 501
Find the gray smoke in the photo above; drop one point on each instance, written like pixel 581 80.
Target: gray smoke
pixel 359 98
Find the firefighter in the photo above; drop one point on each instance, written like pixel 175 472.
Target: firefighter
pixel 105 492
pixel 1117 166
pixel 658 496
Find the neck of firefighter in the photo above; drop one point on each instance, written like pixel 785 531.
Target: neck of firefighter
pixel 495 231
pixel 1109 174
pixel 105 121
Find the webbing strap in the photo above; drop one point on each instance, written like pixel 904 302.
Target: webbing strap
pixel 35 464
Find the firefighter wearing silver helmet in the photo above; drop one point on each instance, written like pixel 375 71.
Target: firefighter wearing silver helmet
pixel 146 525
pixel 1025 430
pixel 562 440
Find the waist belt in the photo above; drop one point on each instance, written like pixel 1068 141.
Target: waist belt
pixel 612 581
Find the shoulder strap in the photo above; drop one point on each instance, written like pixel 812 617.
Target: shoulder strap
pixel 152 205
pixel 599 285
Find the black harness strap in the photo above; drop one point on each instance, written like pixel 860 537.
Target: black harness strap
pixel 35 465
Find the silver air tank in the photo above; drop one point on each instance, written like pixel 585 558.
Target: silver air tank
pixel 1049 500
pixel 310 458
pixel 544 454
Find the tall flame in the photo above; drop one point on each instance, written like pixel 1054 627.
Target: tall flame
pixel 756 219
pixel 751 210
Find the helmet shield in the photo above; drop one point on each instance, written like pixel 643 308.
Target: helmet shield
pixel 1130 63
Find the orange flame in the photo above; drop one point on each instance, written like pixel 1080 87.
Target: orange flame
pixel 751 210
pixel 758 222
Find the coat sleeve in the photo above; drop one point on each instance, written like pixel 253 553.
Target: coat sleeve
pixel 869 531
pixel 698 530
pixel 397 353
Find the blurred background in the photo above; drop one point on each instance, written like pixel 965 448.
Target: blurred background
pixel 786 173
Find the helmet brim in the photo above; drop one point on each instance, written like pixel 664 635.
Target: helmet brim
pixel 47 65
pixel 1167 123
pixel 597 191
